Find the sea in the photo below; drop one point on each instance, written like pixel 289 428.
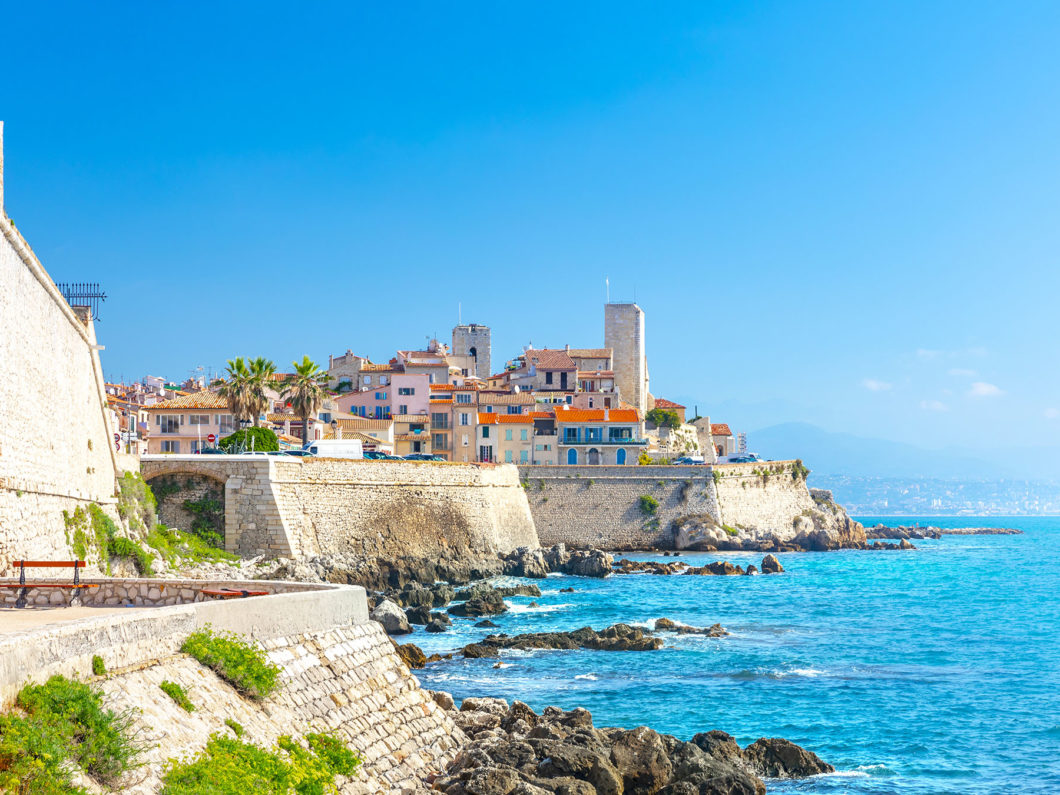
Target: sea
pixel 927 671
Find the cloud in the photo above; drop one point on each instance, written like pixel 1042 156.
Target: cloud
pixel 873 385
pixel 925 353
pixel 933 405
pixel 962 371
pixel 1052 414
pixel 983 389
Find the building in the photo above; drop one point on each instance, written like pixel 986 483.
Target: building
pixel 471 350
pixel 410 393
pixel 184 424
pixel 624 335
pixel 669 405
pixel 505 438
pixel 543 370
pixel 373 402
pixel 412 434
pixel 599 436
pixel 724 439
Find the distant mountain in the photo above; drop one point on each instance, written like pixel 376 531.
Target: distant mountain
pixel 830 453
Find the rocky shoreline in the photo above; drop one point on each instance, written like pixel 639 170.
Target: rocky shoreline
pixel 922 532
pixel 513 750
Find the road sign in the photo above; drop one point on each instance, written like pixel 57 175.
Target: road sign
pixel 211 438
pixel 117 437
pixel 117 446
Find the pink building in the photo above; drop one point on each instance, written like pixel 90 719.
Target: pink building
pixel 373 403
pixel 410 394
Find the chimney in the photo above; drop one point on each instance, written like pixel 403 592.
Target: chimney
pixel 567 347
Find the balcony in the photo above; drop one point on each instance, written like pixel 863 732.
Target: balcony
pixel 605 442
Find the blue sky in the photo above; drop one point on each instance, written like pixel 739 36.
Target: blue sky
pixel 844 213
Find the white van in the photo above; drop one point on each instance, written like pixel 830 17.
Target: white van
pixel 335 448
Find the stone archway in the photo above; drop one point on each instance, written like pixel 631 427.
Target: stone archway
pixel 593 456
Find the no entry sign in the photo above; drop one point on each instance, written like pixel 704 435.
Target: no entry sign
pixel 211 438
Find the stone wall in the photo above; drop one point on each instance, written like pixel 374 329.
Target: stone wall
pixel 172 492
pixel 600 505
pixel 767 503
pixel 309 506
pixel 56 450
pixel 340 673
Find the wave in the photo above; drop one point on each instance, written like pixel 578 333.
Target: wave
pixel 861 771
pixel 590 677
pixel 514 608
pixel 749 675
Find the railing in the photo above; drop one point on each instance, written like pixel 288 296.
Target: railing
pixel 615 442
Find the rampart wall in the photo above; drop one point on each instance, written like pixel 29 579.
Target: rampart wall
pixel 340 673
pixel 763 496
pixel 56 451
pixel 601 505
pixel 311 506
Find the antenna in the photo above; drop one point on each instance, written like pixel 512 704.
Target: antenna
pixel 607 288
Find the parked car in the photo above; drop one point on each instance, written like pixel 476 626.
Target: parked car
pixel 298 453
pixel 423 457
pixel 212 451
pixel 740 458
pixel 336 448
pixel 689 459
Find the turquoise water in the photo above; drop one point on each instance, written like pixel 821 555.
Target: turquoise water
pixel 930 671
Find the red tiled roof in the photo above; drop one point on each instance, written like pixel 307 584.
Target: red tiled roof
pixel 596 415
pixel 196 400
pixel 436 400
pixel 590 353
pixel 549 359
pixel 720 429
pixel 443 387
pixel 596 374
pixel 504 419
pixel 663 403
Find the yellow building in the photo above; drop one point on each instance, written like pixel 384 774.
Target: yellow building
pixel 505 438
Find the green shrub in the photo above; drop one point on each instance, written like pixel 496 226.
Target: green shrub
pixel 644 459
pixel 65 720
pixel 648 504
pixel 121 547
pixel 799 471
pixel 244 665
pixel 99 668
pixel 716 475
pixel 209 520
pixel 176 692
pixel 136 503
pixel 235 726
pixel 663 418
pixel 730 530
pixel 260 440
pixel 173 544
pixel 228 766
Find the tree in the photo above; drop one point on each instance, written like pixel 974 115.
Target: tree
pixel 236 388
pixel 261 373
pixel 663 418
pixel 305 390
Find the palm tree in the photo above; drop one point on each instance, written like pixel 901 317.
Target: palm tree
pixel 236 388
pixel 305 390
pixel 261 372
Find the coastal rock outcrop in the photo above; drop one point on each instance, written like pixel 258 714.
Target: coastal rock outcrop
pixel 770 565
pixel 667 625
pixel 483 601
pixel 514 751
pixel 618 637
pixel 391 617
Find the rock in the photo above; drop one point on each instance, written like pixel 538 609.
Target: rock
pixel 442 699
pixel 640 756
pixel 626 566
pixel 713 631
pixel 751 570
pixel 557 557
pixel 391 617
pixel 718 568
pixel 437 625
pixel 665 625
pixel 533 604
pixel 518 590
pixel 495 706
pixel 491 781
pixel 418 615
pixel 412 655
pixel 486 623
pixel 566 590
pixel 770 565
pixel 487 604
pixel 905 543
pixel 589 563
pixel 525 562
pixel 619 637
pixel 775 757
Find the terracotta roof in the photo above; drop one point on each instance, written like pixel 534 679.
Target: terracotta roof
pixel 368 367
pixel 364 424
pixel 549 359
pixel 663 403
pixel 443 387
pixel 436 400
pixel 596 374
pixel 590 353
pixel 720 429
pixel 357 436
pixel 196 400
pixel 412 418
pixel 596 415
pixel 541 415
pixel 504 419
pixel 507 399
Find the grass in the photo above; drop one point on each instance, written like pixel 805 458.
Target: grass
pixel 176 692
pixel 174 545
pixel 228 766
pixel 63 722
pixel 235 726
pixel 121 547
pixel 243 665
pixel 98 667
pixel 730 530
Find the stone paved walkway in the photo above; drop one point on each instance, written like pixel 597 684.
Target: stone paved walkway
pixel 15 620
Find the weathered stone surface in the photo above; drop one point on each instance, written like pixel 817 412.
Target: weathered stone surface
pixel 391 617
pixel 775 757
pixel 619 637
pixel 412 655
pixel 525 562
pixel 486 603
pixel 770 565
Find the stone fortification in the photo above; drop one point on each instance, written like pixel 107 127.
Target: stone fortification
pixel 56 451
pixel 321 506
pixel 340 673
pixel 601 505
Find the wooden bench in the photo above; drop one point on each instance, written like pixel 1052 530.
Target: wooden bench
pixel 231 593
pixel 46 564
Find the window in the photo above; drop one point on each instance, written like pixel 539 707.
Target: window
pixel 618 434
pixel 403 409
pixel 225 424
pixel 485 432
pixel 368 380
pixel 570 435
pixel 198 419
pixel 380 395
pixel 548 377
pixel 170 446
pixel 383 381
pixel 168 423
pixel 406 390
pixel 465 419
pixel 524 456
pixel 523 434
pixel 507 456
pixel 507 434
pixel 440 420
pixel 488 409
pixel 197 446
pixel 416 427
pixel 440 441
pixel 463 397
pixel 485 454
pixel 515 410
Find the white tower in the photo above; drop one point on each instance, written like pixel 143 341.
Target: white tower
pixel 624 335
